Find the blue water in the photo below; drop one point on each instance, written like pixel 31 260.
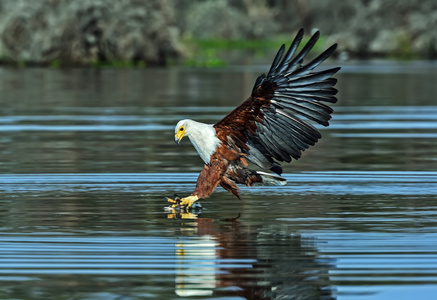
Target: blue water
pixel 87 158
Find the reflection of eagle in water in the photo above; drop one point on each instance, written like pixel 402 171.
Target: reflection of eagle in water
pixel 266 128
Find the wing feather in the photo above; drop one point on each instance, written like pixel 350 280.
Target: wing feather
pixel 272 143
pixel 310 111
pixel 277 59
pixel 294 140
pixel 285 138
pixel 318 60
pixel 305 50
pixel 293 47
pixel 274 123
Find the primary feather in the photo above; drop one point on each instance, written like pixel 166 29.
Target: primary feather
pixel 276 118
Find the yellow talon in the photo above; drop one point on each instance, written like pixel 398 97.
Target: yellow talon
pixel 186 202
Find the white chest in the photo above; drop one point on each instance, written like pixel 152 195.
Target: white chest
pixel 204 141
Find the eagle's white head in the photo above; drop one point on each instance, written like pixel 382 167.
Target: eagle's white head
pixel 182 128
pixel 201 135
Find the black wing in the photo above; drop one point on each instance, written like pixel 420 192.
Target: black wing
pixel 268 126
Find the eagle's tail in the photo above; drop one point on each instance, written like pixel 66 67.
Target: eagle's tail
pixel 270 179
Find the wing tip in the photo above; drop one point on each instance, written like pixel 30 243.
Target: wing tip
pixel 316 33
pixel 300 33
pixel 278 58
pixel 276 168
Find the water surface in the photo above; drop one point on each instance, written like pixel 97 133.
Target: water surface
pixel 87 158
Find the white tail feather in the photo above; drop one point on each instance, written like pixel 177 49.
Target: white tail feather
pixel 270 179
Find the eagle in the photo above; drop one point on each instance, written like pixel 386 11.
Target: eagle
pixel 273 125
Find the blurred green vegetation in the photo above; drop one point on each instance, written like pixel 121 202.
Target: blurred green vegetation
pixel 209 52
pixel 118 64
pixel 201 53
pixel 207 33
pixel 404 51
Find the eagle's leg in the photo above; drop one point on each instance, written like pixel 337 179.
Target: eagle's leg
pixel 207 181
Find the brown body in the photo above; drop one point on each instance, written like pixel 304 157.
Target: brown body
pixel 226 168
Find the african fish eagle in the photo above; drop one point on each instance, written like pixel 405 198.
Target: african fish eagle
pixel 265 129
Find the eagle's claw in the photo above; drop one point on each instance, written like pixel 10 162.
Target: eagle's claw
pixel 185 203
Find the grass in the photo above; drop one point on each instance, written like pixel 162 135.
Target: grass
pixel 215 53
pixel 207 52
pixel 57 63
pixel 199 53
pixel 118 64
pixel 205 58
pixel 404 51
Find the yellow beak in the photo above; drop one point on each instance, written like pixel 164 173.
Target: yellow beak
pixel 178 136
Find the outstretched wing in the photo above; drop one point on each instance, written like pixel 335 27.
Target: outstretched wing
pixel 268 126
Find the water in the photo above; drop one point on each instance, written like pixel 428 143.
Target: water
pixel 87 158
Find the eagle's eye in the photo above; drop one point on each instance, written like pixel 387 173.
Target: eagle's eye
pixel 181 129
